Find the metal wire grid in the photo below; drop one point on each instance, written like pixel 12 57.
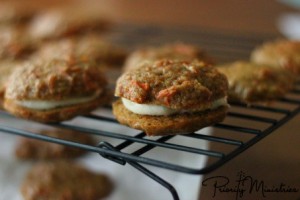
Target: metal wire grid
pixel 284 110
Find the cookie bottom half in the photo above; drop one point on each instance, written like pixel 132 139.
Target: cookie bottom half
pixel 168 125
pixel 57 114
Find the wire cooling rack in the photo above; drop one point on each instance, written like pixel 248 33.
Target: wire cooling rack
pixel 243 127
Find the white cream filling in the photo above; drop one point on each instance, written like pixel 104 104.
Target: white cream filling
pixel 46 105
pixel 148 109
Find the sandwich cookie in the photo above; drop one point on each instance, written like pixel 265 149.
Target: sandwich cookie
pixel 171 97
pixel 58 23
pixel 279 53
pixel 175 51
pixel 55 91
pixel 90 47
pixel 251 82
pixel 15 12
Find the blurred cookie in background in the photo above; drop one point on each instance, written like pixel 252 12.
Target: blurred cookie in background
pixel 15 43
pixel 15 12
pixel 64 180
pixel 63 22
pixel 280 53
pixel 173 51
pixel 251 82
pixel 93 48
pixel 32 149
pixel 89 47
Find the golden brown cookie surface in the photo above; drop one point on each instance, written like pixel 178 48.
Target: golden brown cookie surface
pixel 279 53
pixel 16 13
pixel 171 97
pixel 55 91
pixel 176 51
pixel 168 125
pixel 28 149
pixel 62 180
pixel 6 68
pixel 14 42
pixel 87 48
pixel 186 85
pixel 57 23
pixel 54 80
pixel 250 82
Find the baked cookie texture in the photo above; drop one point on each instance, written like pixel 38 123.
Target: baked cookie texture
pixel 251 82
pixel 31 149
pixel 73 89
pixel 190 88
pixel 175 51
pixel 13 12
pixel 279 53
pixel 90 47
pixel 64 180
pixel 15 43
pixel 6 68
pixel 58 23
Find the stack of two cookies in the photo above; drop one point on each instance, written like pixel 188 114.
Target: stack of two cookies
pixel 171 89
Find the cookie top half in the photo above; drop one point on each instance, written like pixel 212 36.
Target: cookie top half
pixel 279 53
pixel 54 80
pixel 188 85
pixel 175 51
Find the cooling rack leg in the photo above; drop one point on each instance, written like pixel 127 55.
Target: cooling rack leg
pixel 140 168
pixel 156 178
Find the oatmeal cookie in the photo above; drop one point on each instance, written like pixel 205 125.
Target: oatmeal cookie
pixel 64 180
pixel 14 43
pixel 251 82
pixel 55 91
pixel 15 13
pixel 6 68
pixel 279 53
pixel 92 48
pixel 168 97
pixel 87 48
pixel 176 51
pixel 57 23
pixel 28 149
